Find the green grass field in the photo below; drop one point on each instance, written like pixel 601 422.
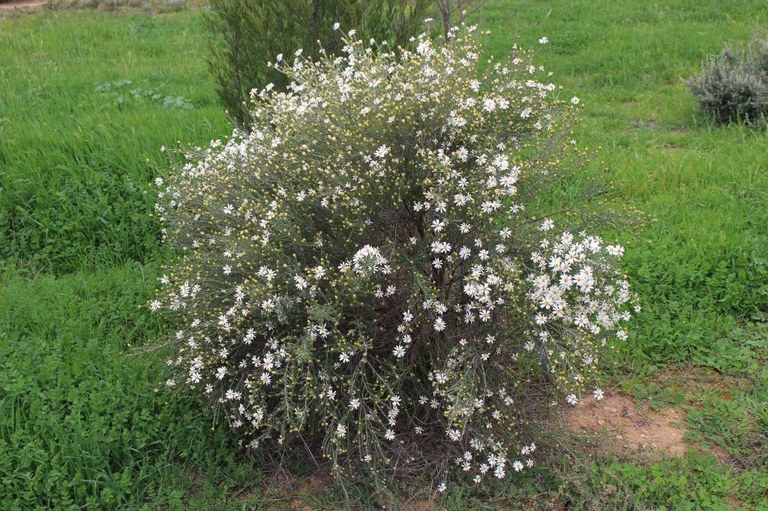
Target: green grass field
pixel 88 99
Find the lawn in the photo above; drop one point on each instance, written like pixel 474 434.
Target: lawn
pixel 90 97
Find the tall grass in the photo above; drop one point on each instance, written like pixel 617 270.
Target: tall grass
pixel 88 101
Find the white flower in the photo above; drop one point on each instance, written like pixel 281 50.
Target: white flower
pixel 585 280
pixel 439 324
pixel 389 435
pixel 575 100
pixel 598 394
pixel 399 351
pixel 543 40
pixel 571 399
pixel 424 48
pixel 341 431
pixel 517 466
pixel 547 225
pixel 440 247
pixel 336 26
pixel 381 152
pixel 615 250
pixel 354 403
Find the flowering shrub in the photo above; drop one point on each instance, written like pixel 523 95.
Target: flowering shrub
pixel 360 270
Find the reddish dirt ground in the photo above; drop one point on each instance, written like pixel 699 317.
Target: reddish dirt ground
pixel 628 429
pixel 26 5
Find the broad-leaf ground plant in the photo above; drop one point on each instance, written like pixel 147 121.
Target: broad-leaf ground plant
pixel 359 273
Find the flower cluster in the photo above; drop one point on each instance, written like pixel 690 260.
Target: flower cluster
pixel 360 270
pixel 578 302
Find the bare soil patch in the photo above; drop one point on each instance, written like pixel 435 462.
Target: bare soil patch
pixel 628 429
pixel 421 505
pixel 24 5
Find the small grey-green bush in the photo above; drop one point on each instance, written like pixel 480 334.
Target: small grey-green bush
pixel 733 87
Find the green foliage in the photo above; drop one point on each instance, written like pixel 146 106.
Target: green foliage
pixel 733 86
pixel 735 422
pixel 118 92
pixel 247 34
pixel 82 126
pixel 696 482
pixel 84 419
pixel 596 483
pixel 753 488
pixel 698 264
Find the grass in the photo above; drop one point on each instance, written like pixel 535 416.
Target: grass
pixel 704 188
pixel 90 97
pixel 84 417
pixel 89 100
